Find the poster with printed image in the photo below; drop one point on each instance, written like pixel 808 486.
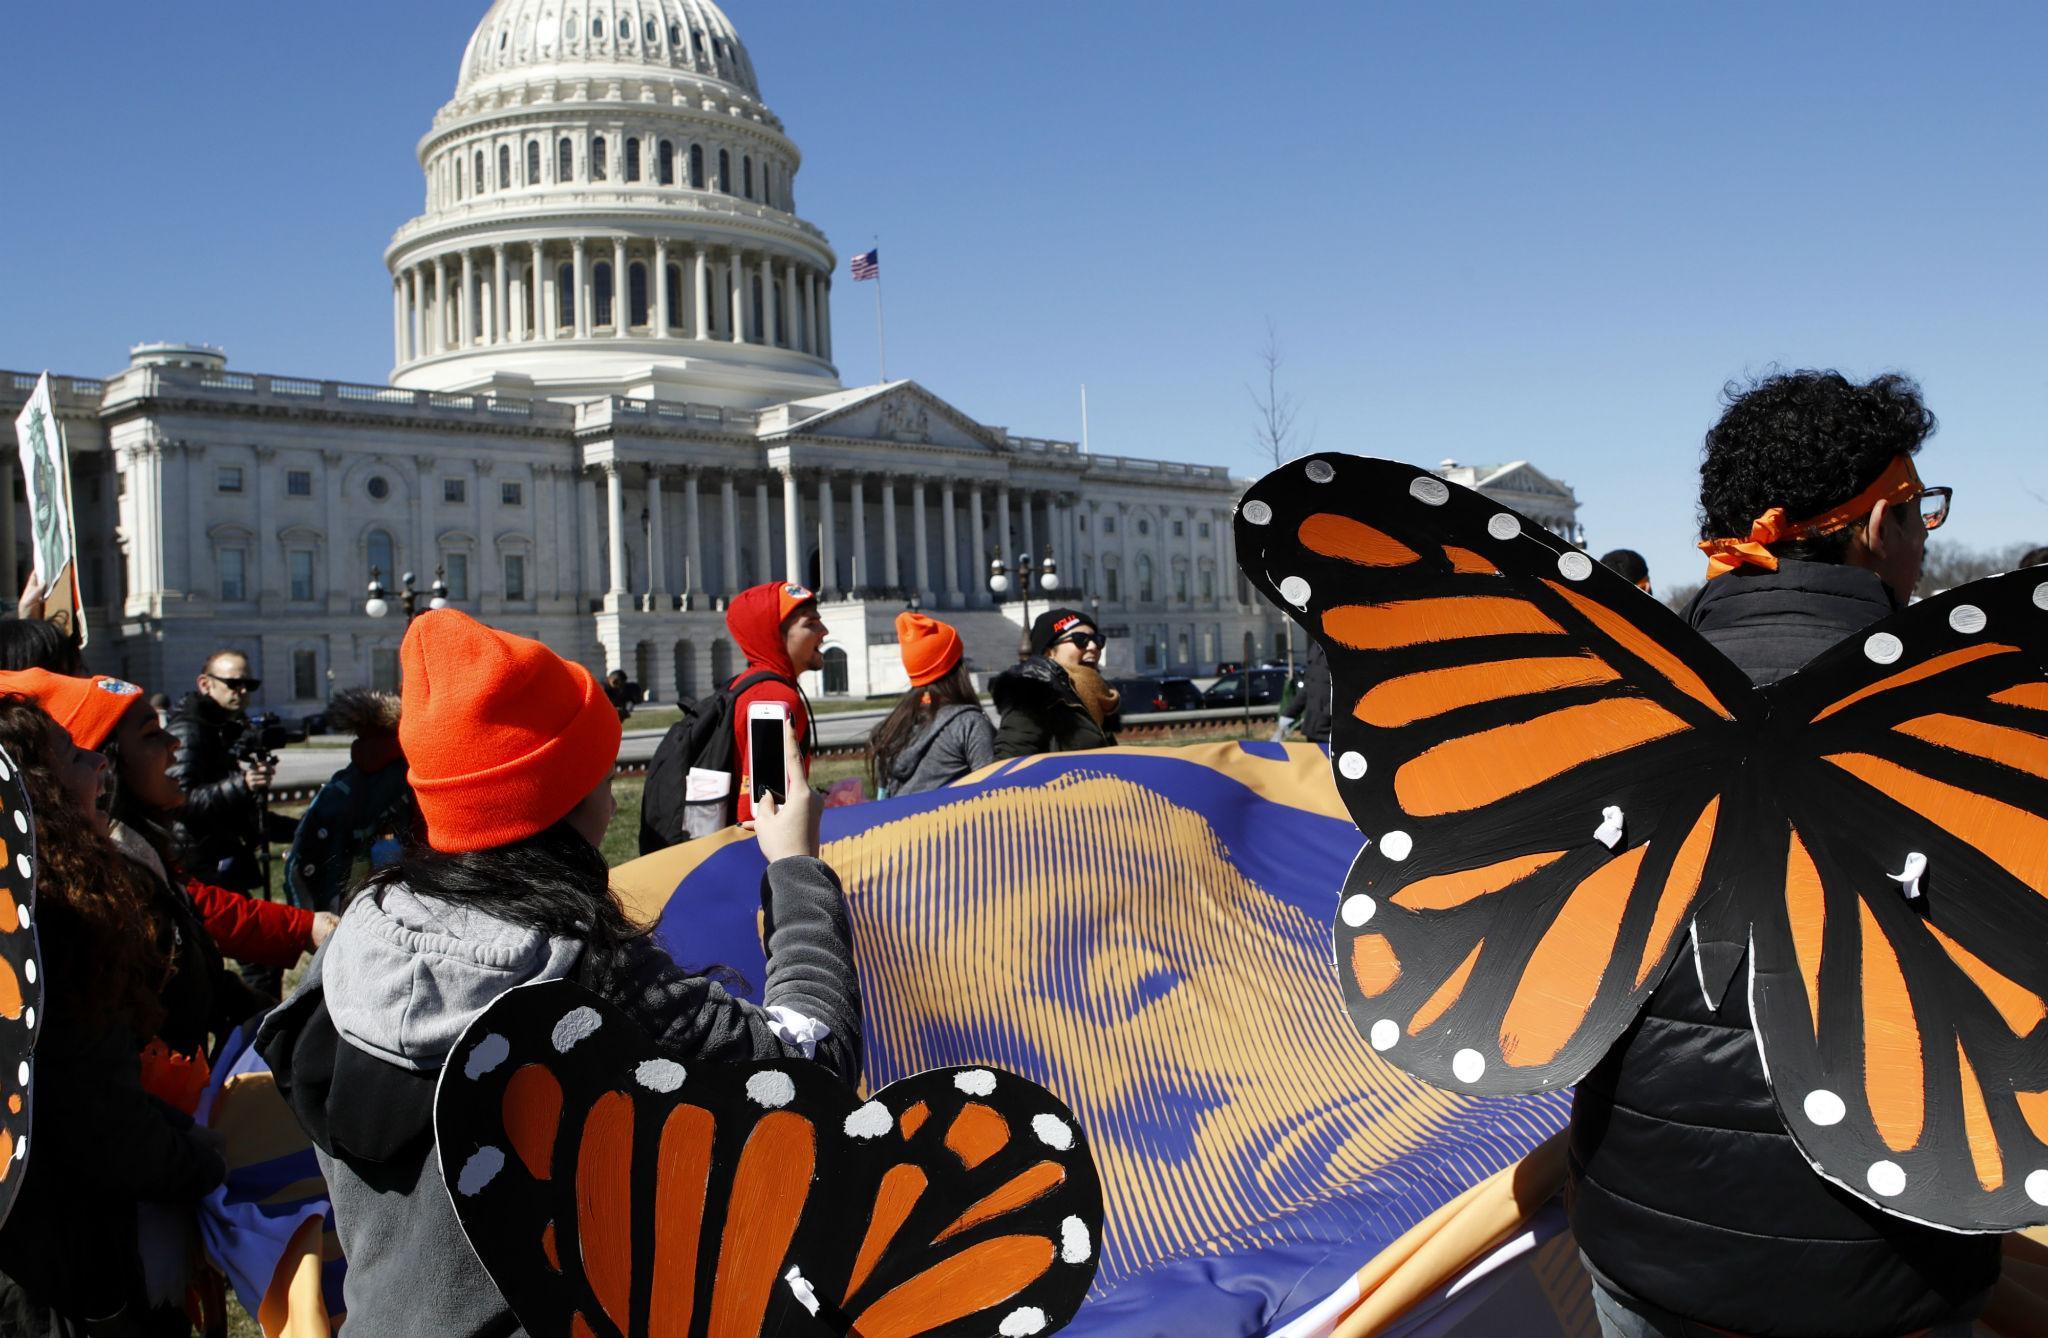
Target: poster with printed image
pixel 46 472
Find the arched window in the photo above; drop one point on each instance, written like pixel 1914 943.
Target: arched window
pixel 596 26
pixel 632 160
pixel 759 326
pixel 458 177
pixel 601 293
pixel 747 175
pixel 636 295
pixel 835 671
pixel 383 558
pixel 767 184
pixel 599 153
pixel 668 163
pixel 1112 583
pixel 651 37
pixel 675 297
pixel 697 167
pixel 533 162
pixel 478 175
pixel 565 296
pixel 1144 579
pixel 724 172
pixel 565 160
pixel 625 29
pixel 675 34
pixel 504 167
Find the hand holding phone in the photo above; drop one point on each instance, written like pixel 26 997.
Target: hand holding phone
pixel 766 767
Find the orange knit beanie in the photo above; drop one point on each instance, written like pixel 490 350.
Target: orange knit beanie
pixel 89 708
pixel 930 647
pixel 503 736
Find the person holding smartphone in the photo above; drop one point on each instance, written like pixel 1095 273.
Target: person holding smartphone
pixel 777 627
pixel 1057 701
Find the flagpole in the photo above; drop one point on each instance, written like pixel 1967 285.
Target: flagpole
pixel 881 331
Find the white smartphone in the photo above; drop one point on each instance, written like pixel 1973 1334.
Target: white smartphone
pixel 764 751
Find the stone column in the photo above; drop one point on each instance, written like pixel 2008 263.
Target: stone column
pixel 660 294
pixel 622 295
pixel 825 315
pixel 437 337
pixel 764 550
pixel 792 527
pixel 729 575
pixel 765 272
pixel 736 279
pixel 501 299
pixel 693 537
pixel 920 550
pixel 615 517
pixel 1030 527
pixel 859 577
pixel 828 539
pixel 580 278
pixel 543 283
pixel 1194 523
pixel 657 546
pixel 398 318
pixel 1007 553
pixel 792 334
pixel 949 535
pixel 700 288
pixel 892 573
pixel 977 547
pixel 465 317
pixel 587 584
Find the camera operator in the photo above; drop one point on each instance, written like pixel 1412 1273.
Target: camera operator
pixel 225 764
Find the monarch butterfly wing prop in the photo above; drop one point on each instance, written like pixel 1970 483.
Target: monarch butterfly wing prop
pixel 1531 746
pixel 611 1191
pixel 1900 980
pixel 21 978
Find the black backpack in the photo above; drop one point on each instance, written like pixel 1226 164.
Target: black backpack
pixel 701 741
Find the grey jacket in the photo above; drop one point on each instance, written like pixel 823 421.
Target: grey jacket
pixel 956 741
pixel 358 1048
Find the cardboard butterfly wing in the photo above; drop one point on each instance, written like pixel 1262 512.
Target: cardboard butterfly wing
pixel 610 1190
pixel 1899 975
pixel 21 978
pixel 1534 750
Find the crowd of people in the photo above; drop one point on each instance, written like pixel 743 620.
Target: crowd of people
pixel 459 855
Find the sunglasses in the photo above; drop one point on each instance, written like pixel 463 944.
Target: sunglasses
pixel 1086 639
pixel 237 684
pixel 1934 506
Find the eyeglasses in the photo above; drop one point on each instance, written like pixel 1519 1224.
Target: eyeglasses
pixel 237 684
pixel 1934 506
pixel 1086 639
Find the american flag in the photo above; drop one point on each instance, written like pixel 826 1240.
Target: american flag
pixel 867 265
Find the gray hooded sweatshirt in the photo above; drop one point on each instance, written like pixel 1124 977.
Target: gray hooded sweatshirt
pixel 358 1048
pixel 958 740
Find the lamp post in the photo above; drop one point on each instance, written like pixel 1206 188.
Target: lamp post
pixel 999 584
pixel 408 598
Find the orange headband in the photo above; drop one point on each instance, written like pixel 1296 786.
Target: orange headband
pixel 1898 484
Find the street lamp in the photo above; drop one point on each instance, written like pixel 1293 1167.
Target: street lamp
pixel 375 605
pixel 408 598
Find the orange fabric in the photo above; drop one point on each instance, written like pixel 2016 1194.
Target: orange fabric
pixel 1394 702
pixel 1680 886
pixel 1353 541
pixel 1894 1069
pixel 1468 563
pixel 1940 664
pixel 930 648
pixel 1470 771
pixel 1977 1130
pixel 769 1190
pixel 902 1185
pixel 88 708
pixel 2033 696
pixel 503 736
pixel 976 1134
pixel 1447 890
pixel 1899 483
pixel 1374 965
pixel 980 1276
pixel 2009 747
pixel 1027 1186
pixel 682 1172
pixel 533 1112
pixel 1564 972
pixel 604 1205
pixel 1806 909
pixel 1415 622
pixel 174 1079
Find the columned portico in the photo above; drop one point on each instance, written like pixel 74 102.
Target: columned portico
pixel 920 535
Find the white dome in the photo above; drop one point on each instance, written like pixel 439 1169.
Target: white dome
pixel 631 36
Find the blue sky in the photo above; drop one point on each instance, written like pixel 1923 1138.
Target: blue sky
pixel 1483 232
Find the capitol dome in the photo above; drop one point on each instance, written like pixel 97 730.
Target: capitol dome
pixel 610 208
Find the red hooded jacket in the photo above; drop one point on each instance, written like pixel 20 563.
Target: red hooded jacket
pixel 754 617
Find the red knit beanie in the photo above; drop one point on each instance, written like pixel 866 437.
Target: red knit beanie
pixel 503 736
pixel 930 648
pixel 89 708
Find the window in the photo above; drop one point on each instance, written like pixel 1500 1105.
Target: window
pixel 1205 529
pixel 599 149
pixel 384 668
pixel 1144 578
pixel 632 160
pixel 596 26
pixel 512 494
pixel 565 296
pixel 601 294
pixel 455 490
pixel 455 568
pixel 625 29
pixel 504 167
pixel 725 171
pixel 1185 650
pixel 675 34
pixel 533 162
pixel 1109 524
pixel 835 672
pixel 234 575
pixel 1180 584
pixel 298 483
pixel 305 676
pixel 378 487
pixel 458 177
pixel 666 163
pixel 478 177
pixel 747 175
pixel 767 184
pixel 515 576
pixel 650 32
pixel 1144 527
pixel 381 555
pixel 300 563
pixel 697 167
pixel 565 161
pixel 1180 529
pixel 228 478
pixel 1208 584
pixel 1082 521
pixel 636 295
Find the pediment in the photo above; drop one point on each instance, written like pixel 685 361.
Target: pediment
pixel 1528 481
pixel 901 412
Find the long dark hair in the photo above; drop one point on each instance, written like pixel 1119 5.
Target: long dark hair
pixel 152 825
pixel 913 712
pixel 103 962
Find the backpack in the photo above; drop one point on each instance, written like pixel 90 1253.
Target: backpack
pixel 700 745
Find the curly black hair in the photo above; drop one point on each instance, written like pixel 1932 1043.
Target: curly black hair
pixel 1807 441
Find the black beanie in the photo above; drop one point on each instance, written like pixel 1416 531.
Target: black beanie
pixel 1053 624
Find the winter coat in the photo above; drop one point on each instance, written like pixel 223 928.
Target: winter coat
pixel 1043 713
pixel 756 627
pixel 958 739
pixel 202 998
pixel 250 929
pixel 220 830
pixel 358 1048
pixel 1312 704
pixel 1687 1191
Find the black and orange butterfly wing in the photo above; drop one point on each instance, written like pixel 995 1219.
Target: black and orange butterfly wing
pixel 1496 694
pixel 21 979
pixel 1903 1035
pixel 609 1190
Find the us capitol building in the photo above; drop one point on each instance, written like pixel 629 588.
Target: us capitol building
pixel 613 405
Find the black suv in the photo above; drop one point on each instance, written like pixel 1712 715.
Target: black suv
pixel 1264 686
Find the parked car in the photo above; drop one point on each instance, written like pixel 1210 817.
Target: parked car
pixel 1229 666
pixel 1263 685
pixel 1181 694
pixel 1140 696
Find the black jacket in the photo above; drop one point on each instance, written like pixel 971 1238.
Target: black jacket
pixel 219 829
pixel 1312 707
pixel 1042 712
pixel 1687 1191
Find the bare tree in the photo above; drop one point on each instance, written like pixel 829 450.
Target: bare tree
pixel 1952 564
pixel 1678 597
pixel 1273 430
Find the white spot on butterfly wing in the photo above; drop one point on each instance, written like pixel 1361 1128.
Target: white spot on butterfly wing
pixel 1503 526
pixel 576 1026
pixel 975 1082
pixel 481 1168
pixel 1022 1322
pixel 30 1017
pixel 490 1052
pixel 1467 1066
pixel 771 1088
pixel 1886 1178
pixel 1385 1033
pixel 2040 602
pixel 1430 491
pixel 1908 878
pixel 1256 513
pixel 1295 591
pixel 1612 825
pixel 1397 845
pixel 1824 1107
pixel 660 1075
pixel 870 1121
pixel 1357 911
pixel 1319 471
pixel 1967 619
pixel 1076 1245
pixel 1574 565
pixel 2037 1187
pixel 22 865
pixel 21 1074
pixel 806 1295
pixel 1351 765
pixel 1883 648
pixel 6 771
pixel 28 969
pixel 1053 1131
pixel 21 822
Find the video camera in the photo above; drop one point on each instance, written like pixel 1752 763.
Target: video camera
pixel 258 744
